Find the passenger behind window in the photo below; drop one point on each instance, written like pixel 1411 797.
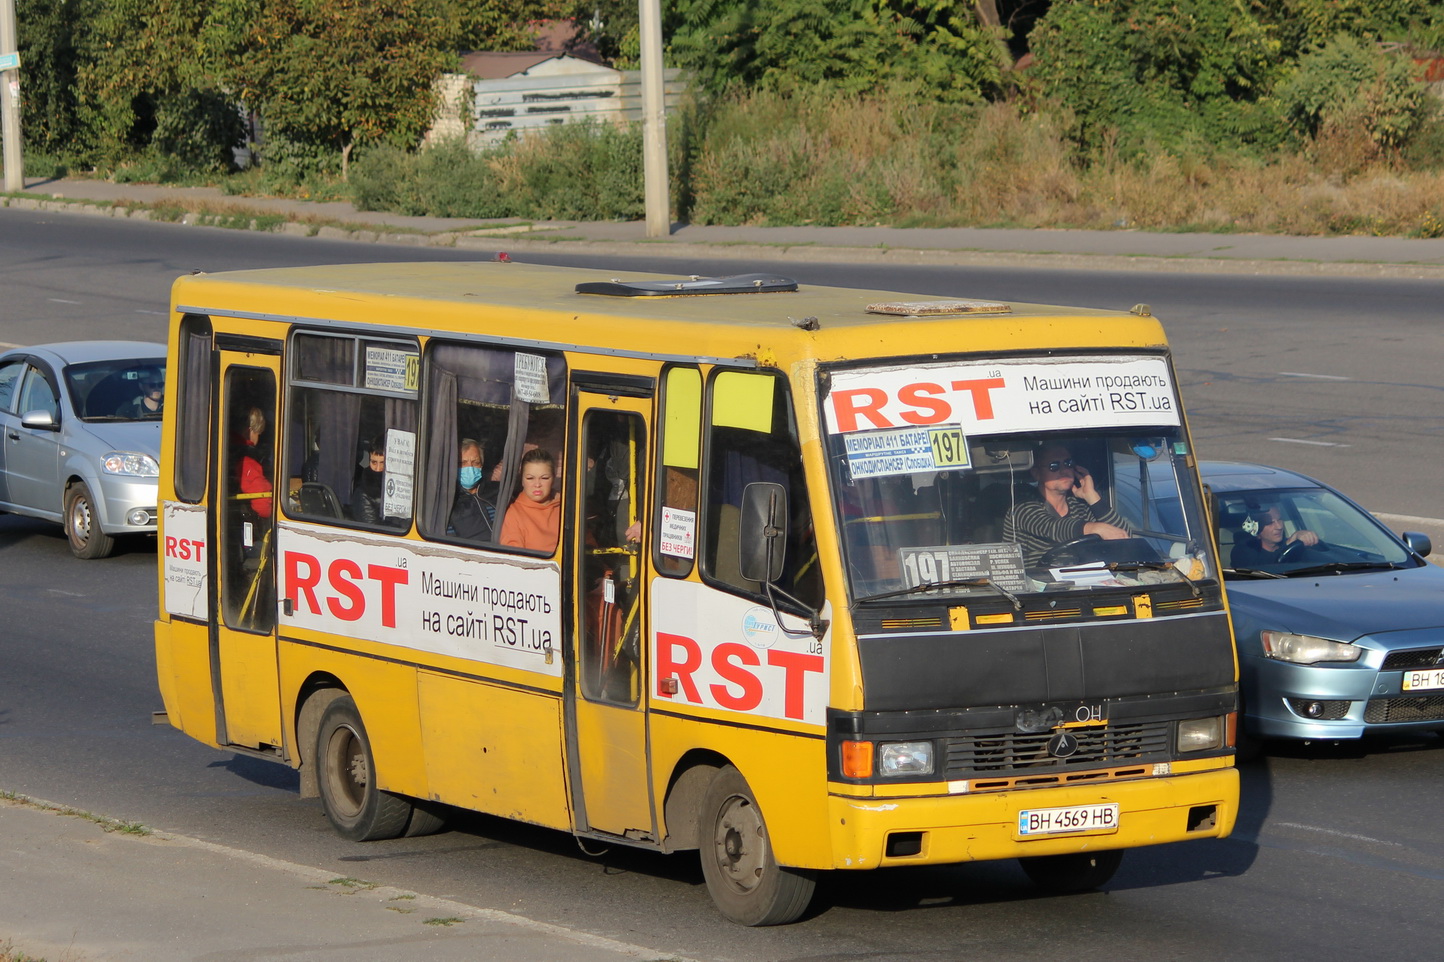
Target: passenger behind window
pixel 253 479
pixel 533 521
pixel 368 493
pixel 474 507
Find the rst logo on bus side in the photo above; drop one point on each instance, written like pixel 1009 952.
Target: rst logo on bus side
pixel 752 666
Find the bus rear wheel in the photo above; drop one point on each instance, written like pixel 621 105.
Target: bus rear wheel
pixel 742 874
pixel 346 777
pixel 1074 872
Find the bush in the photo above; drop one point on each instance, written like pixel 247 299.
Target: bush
pixel 1354 101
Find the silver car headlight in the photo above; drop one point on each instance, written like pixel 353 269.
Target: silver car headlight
pixel 1306 649
pixel 130 465
pixel 905 758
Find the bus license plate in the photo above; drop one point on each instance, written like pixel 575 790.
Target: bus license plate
pixel 1075 818
pixel 1424 680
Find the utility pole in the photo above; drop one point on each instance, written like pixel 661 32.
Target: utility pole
pixel 9 100
pixel 654 120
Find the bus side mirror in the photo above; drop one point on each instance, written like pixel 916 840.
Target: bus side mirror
pixel 762 537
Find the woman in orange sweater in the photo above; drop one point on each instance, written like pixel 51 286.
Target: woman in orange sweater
pixel 534 520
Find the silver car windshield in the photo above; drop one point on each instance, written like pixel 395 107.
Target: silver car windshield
pixel 130 389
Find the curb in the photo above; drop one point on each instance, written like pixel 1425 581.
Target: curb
pixel 491 240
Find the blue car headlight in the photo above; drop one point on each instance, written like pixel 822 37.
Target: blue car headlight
pixel 131 465
pixel 1306 649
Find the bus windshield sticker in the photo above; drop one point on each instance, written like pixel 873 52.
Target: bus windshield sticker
pixel 388 369
pixel 1005 397
pixel 678 536
pixel 1000 563
pixel 531 379
pixel 872 454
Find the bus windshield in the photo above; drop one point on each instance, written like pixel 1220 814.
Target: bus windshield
pixel 948 509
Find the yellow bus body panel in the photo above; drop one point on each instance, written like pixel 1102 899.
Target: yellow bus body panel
pixel 787 774
pixel 183 671
pixel 969 828
pixel 494 749
pixel 385 695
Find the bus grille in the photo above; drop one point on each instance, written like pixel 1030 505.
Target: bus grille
pixel 1406 709
pixel 1103 745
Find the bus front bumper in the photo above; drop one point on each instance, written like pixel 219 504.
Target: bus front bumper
pixel 934 830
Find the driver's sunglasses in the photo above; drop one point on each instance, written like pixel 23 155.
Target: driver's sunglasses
pixel 1055 465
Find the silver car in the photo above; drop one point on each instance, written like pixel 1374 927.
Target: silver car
pixel 81 438
pixel 1339 622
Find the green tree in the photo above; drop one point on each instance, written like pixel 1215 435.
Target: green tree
pixel 143 81
pixel 503 24
pixel 1159 72
pixel 48 33
pixel 853 46
pixel 330 75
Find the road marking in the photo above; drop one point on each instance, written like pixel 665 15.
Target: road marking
pixel 61 300
pixel 162 313
pixel 1322 444
pixel 1323 377
pixel 7 345
pixel 1337 834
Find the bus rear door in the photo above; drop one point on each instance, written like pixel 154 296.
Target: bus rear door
pixel 243 642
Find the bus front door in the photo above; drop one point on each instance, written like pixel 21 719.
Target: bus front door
pixel 607 722
pixel 243 643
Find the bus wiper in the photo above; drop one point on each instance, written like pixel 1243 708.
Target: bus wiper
pixel 1253 573
pixel 1155 566
pixel 954 583
pixel 1336 567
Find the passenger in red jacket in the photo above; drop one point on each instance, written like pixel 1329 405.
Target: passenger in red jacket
pixel 534 520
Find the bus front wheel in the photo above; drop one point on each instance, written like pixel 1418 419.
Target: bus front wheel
pixel 346 777
pixel 1074 872
pixel 742 874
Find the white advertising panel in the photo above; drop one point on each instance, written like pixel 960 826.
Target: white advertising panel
pixel 715 650
pixel 425 597
pixel 184 552
pixel 1005 396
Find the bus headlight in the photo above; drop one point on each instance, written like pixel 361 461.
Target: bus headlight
pixel 1200 734
pixel 130 465
pixel 1306 649
pixel 905 758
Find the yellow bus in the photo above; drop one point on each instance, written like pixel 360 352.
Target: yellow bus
pixel 801 578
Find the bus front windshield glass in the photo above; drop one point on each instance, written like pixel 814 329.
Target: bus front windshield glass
pixel 1106 499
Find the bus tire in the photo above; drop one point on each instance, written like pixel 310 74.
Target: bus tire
pixel 82 525
pixel 1074 872
pixel 743 877
pixel 427 818
pixel 346 777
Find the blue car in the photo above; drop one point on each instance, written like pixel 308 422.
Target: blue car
pixel 1339 622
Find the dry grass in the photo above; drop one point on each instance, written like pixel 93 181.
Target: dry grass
pixel 881 160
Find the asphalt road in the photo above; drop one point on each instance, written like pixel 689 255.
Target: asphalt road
pixel 1335 855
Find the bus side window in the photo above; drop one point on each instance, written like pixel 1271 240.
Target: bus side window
pixel 752 436
pixel 507 402
pixel 675 544
pixel 350 395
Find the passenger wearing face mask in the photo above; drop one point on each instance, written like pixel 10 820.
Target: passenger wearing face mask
pixel 474 507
